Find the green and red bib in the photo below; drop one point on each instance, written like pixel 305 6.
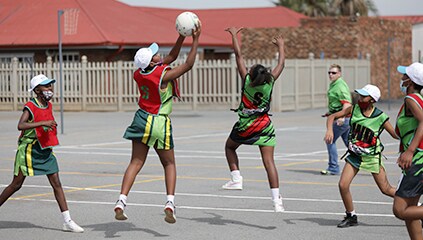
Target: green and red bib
pixel 47 137
pixel 149 87
pixel 365 131
pixel 406 126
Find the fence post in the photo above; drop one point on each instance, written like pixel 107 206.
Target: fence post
pixel 233 80
pixel 369 67
pixel 49 66
pixel 312 78
pixel 296 86
pixel 120 85
pixel 195 85
pixel 84 84
pixel 14 82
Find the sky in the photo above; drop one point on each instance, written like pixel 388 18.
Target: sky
pixel 385 7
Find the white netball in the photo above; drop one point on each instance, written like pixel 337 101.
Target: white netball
pixel 186 22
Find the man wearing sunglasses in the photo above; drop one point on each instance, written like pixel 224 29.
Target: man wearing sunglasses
pixel 339 97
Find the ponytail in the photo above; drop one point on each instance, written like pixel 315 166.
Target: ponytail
pixel 260 75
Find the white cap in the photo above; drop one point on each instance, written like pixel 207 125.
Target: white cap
pixel 414 72
pixel 369 90
pixel 40 80
pixel 144 55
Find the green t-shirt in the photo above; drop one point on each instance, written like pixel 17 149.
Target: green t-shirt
pixel 338 94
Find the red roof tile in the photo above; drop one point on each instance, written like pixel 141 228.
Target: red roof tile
pixel 26 23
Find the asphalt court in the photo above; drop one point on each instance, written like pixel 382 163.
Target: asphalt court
pixel 93 157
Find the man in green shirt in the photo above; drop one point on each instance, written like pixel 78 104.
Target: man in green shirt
pixel 339 97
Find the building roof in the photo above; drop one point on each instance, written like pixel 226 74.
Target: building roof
pixel 412 19
pixel 106 23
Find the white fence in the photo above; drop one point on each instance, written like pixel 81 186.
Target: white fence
pixel 211 84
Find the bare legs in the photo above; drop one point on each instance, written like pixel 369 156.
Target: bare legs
pixel 231 156
pixel 348 174
pixel 58 191
pixel 407 210
pixel 13 187
pixel 269 164
pixel 54 182
pixel 139 155
pixel 167 158
pixel 267 153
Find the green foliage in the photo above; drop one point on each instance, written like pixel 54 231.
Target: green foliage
pixel 314 8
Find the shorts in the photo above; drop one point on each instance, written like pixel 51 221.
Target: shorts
pixel 411 182
pixel 152 130
pixel 31 160
pixel 370 163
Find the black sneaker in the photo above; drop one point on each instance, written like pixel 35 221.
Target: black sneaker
pixel 348 221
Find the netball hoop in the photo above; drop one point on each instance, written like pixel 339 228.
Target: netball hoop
pixel 70 16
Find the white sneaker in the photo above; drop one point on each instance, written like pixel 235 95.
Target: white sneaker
pixel 233 185
pixel 71 226
pixel 169 211
pixel 278 205
pixel 120 211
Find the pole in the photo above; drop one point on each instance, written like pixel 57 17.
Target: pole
pixel 59 14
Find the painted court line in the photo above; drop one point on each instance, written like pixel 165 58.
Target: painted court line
pixel 215 208
pixel 206 195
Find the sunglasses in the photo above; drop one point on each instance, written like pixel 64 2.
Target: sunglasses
pixel 332 73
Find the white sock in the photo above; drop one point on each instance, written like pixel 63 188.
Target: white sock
pixel 352 213
pixel 123 198
pixel 171 198
pixel 275 193
pixel 66 216
pixel 236 175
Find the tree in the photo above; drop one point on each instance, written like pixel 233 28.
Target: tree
pixel 352 7
pixel 314 8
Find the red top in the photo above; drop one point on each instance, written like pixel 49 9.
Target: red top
pixel 47 137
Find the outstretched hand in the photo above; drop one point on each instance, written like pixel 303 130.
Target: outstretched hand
pixel 197 31
pixel 278 40
pixel 233 30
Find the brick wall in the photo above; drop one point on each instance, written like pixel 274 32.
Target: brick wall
pixel 341 38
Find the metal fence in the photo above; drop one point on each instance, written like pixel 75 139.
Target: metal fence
pixel 210 85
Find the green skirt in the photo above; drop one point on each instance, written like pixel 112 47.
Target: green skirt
pixel 257 130
pixel 371 163
pixel 31 160
pixel 152 130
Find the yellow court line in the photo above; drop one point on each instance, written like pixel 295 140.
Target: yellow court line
pixel 83 189
pixel 157 177
pixel 300 163
pixel 7 159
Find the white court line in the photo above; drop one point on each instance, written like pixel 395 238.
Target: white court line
pixel 277 158
pixel 208 195
pixel 213 208
pixel 175 138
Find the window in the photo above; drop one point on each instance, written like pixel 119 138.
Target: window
pixel 22 57
pixel 67 57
